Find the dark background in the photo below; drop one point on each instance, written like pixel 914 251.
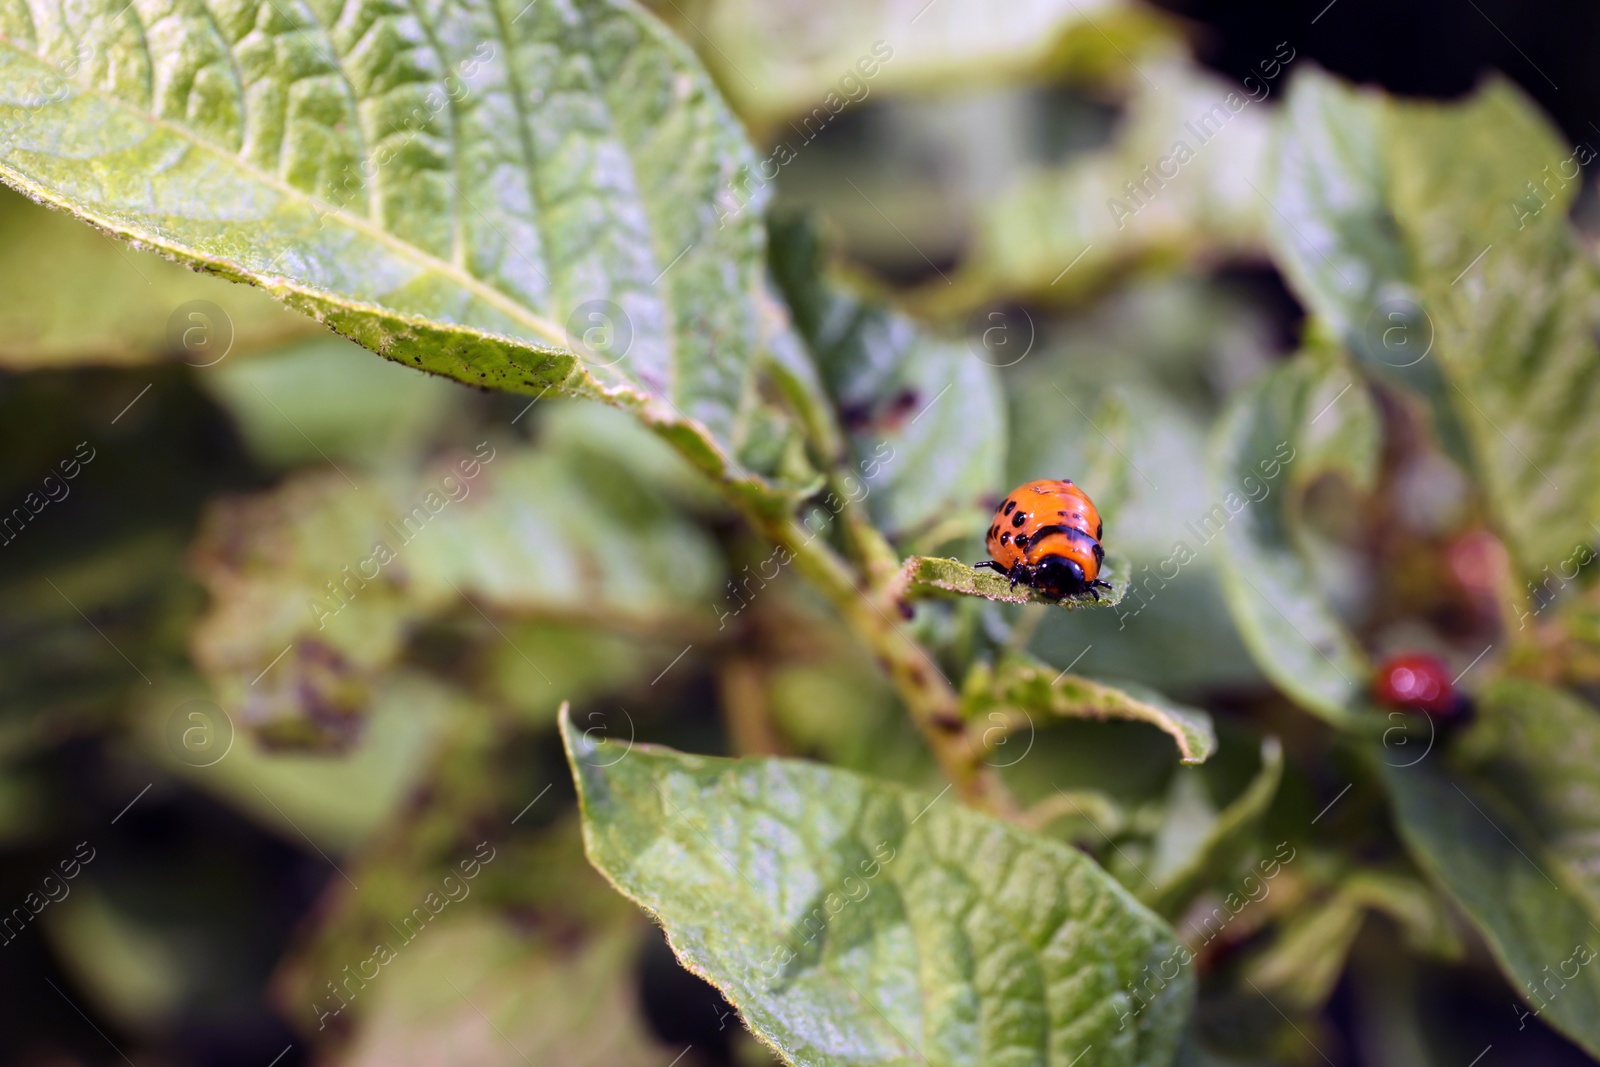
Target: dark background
pixel 1419 49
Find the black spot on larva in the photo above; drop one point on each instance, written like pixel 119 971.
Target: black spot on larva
pixel 1061 513
pixel 1022 540
pixel 1019 518
pixel 1005 538
pixel 1099 528
pixel 1010 506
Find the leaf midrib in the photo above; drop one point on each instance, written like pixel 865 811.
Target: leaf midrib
pixel 537 323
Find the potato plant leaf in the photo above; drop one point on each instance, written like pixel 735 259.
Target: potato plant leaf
pixel 856 922
pixel 924 415
pixel 322 579
pixel 92 301
pixel 811 60
pixel 926 576
pixel 1335 232
pixel 1061 232
pixel 1305 962
pixel 1511 888
pixel 338 803
pixel 1229 839
pixel 1023 685
pixel 1300 968
pixel 513 996
pixel 327 400
pixel 1517 327
pixel 1537 747
pixel 1334 229
pixel 1430 242
pixel 523 203
pixel 1303 419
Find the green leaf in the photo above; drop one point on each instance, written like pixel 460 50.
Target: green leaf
pixel 1302 419
pixel 131 968
pixel 855 922
pixel 1510 834
pixel 326 399
pixel 1023 685
pixel 1509 887
pixel 53 684
pixel 1538 750
pixel 1185 819
pixel 925 417
pixel 1517 330
pixel 536 875
pixel 1302 966
pixel 922 576
pixel 1334 230
pixel 332 574
pixel 1229 838
pixel 1062 232
pixel 524 203
pixel 1433 241
pixel 790 58
pixel 486 984
pixel 337 803
pixel 1105 463
pixel 1422 915
pixel 71 296
pixel 789 362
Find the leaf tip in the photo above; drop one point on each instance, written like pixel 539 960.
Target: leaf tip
pixel 575 742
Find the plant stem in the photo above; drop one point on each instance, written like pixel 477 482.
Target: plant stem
pixel 929 697
pixel 742 685
pixel 871 549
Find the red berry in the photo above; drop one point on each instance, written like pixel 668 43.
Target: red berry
pixel 1415 683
